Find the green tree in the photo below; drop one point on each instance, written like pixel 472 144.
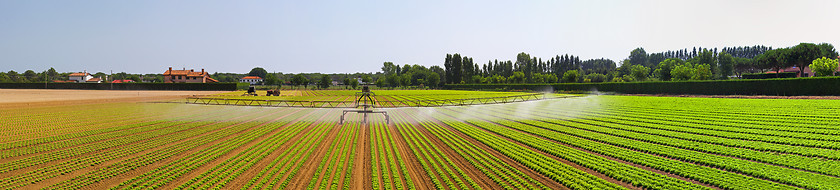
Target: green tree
pixel 298 80
pixel 517 77
pixel 432 80
pixel 803 54
pixel 366 79
pixel 824 66
pixel 258 71
pixel 639 72
pixel 663 69
pixel 271 79
pixel 52 74
pixel 355 83
pixel 702 72
pixel 638 57
pixel 389 68
pixel 571 76
pixel 325 82
pixel 682 72
pixel 726 63
pixel 30 76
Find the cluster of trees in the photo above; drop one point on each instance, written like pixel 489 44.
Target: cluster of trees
pixel 393 75
pixel 51 75
pixel 526 69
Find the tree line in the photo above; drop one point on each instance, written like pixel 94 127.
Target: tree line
pixel 684 64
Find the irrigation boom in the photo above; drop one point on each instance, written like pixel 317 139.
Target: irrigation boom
pixel 366 100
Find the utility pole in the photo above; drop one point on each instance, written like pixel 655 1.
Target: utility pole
pixel 112 76
pixel 45 79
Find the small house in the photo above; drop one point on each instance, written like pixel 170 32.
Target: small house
pixel 251 80
pixel 80 77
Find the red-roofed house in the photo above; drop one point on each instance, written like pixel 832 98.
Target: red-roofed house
pixel 185 76
pixel 94 80
pixel 80 77
pixel 808 72
pixel 122 81
pixel 251 79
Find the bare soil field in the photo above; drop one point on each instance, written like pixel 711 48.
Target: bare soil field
pixel 48 97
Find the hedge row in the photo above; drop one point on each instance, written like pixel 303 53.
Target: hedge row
pixel 811 86
pixel 124 86
pixel 768 75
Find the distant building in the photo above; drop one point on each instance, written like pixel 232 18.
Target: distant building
pixel 80 77
pixel 94 80
pixel 251 80
pixel 187 76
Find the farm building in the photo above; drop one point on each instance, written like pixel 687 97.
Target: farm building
pixel 94 80
pixel 80 77
pixel 251 80
pixel 187 76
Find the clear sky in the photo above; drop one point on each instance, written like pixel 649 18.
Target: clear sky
pixel 357 36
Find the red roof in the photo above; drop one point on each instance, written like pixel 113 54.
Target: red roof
pixel 121 81
pixel 79 74
pixel 189 73
pixel 251 77
pixel 63 81
pixel 94 80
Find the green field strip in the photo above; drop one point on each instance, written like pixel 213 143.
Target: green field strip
pixel 501 173
pixel 439 157
pixel 579 138
pixel 95 159
pixel 162 175
pixel 785 123
pixel 694 142
pixel 50 144
pixel 564 174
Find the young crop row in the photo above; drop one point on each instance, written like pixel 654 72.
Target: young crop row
pixel 551 168
pixel 694 142
pixel 89 160
pixel 281 165
pixel 160 176
pixel 593 141
pixel 57 143
pixel 665 130
pixel 452 175
pixel 500 172
pixel 389 167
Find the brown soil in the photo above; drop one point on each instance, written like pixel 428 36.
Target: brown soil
pixel 739 96
pixel 302 179
pixel 361 170
pixel 415 169
pixel 18 98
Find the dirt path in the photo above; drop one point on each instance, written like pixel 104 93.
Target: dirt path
pixel 361 171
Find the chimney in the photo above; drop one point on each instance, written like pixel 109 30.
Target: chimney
pixel 202 71
pixel 191 70
pixel 170 69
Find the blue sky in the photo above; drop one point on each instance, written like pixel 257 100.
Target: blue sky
pixel 357 36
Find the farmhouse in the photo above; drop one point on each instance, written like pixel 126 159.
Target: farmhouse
pixel 251 80
pixel 187 76
pixel 94 80
pixel 80 77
